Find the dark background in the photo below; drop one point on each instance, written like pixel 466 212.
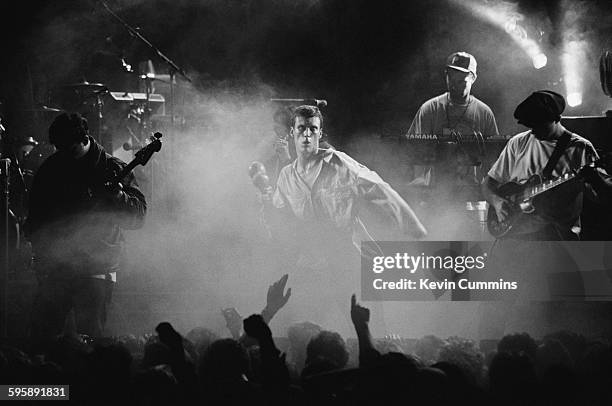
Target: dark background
pixel 374 61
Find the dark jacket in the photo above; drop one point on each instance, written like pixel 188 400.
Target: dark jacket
pixel 73 223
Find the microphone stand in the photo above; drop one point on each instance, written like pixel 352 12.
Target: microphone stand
pixel 134 32
pixel 173 67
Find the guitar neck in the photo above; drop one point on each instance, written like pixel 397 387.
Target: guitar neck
pixel 125 171
pixel 142 156
pixel 535 190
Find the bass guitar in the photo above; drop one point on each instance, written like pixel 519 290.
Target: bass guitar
pixel 142 156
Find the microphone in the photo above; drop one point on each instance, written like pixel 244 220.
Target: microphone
pixel 259 177
pixel 317 102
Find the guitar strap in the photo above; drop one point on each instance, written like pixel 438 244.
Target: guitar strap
pixel 562 143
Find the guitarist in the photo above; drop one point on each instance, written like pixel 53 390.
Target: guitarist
pixel 549 150
pixel 75 220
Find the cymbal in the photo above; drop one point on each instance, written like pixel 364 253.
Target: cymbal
pixel 85 85
pixel 44 109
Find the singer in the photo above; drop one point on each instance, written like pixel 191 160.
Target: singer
pixel 327 187
pixel 313 212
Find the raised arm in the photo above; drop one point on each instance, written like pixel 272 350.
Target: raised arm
pixel 233 321
pixel 360 316
pixel 274 369
pixel 276 298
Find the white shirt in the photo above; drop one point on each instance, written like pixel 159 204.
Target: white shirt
pixel 524 156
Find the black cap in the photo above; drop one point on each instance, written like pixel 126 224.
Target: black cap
pixel 540 107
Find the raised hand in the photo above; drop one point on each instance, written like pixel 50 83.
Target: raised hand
pixel 233 321
pixel 276 298
pixel 359 315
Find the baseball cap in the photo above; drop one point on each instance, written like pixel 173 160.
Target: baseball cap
pixel 462 61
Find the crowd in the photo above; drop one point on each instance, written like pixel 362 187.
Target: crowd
pixel 316 366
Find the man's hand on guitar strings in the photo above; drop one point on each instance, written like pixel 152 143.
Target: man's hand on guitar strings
pixel 112 191
pixel 501 207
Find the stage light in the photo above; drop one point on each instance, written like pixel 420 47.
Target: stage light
pixel 572 61
pixel 575 59
pixel 505 16
pixel 574 99
pixel 539 61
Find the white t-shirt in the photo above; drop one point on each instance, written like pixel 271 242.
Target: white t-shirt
pixel 524 156
pixel 440 113
pixel 439 116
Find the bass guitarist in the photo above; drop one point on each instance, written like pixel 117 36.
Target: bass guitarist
pixel 549 150
pixel 75 222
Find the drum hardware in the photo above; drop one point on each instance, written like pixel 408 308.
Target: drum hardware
pixel 34 159
pixel 138 100
pixel 173 68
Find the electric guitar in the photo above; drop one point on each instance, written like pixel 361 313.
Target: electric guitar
pixel 521 198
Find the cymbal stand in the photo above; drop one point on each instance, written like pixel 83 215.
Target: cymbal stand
pixel 99 104
pixel 145 127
